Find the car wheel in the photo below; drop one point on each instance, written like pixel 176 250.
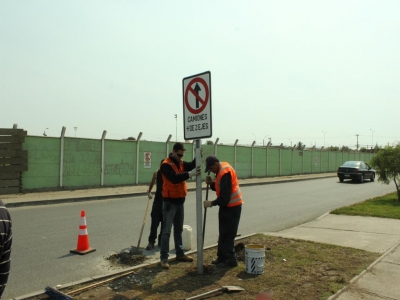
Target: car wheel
pixel 341 179
pixel 362 178
pixel 373 177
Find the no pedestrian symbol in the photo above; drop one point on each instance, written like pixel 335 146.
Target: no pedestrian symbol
pixel 197 106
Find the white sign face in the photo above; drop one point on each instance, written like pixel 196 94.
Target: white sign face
pixel 197 122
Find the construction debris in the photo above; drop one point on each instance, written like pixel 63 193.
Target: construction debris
pixel 133 257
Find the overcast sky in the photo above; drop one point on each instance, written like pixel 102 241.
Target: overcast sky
pixel 311 71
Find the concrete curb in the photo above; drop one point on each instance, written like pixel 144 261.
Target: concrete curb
pixel 70 200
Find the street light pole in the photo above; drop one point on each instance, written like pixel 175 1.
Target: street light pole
pixel 324 137
pixel 75 128
pixel 357 141
pixel 255 138
pixel 176 127
pixel 372 146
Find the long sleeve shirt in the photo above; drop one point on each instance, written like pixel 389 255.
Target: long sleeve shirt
pixel 5 245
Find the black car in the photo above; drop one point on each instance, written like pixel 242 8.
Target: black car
pixel 356 170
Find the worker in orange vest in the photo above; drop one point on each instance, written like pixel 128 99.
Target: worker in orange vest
pixel 229 199
pixel 175 172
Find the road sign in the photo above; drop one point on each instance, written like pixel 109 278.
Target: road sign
pixel 197 122
pixel 147 160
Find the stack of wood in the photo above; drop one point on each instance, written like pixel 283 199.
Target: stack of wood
pixel 13 160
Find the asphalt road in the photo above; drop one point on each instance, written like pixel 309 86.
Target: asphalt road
pixel 43 235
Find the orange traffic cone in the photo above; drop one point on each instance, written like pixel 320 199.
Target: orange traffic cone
pixel 83 238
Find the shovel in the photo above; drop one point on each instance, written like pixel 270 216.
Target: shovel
pixel 144 221
pixel 205 213
pixel 226 288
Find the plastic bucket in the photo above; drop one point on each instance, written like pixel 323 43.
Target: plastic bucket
pixel 254 256
pixel 187 237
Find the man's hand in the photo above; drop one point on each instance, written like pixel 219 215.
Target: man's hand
pixel 207 203
pixel 195 171
pixel 208 179
pixel 150 196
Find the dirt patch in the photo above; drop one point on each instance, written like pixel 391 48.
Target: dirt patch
pixel 294 269
pixel 133 257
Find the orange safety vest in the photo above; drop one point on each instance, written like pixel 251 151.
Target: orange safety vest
pixel 174 190
pixel 236 194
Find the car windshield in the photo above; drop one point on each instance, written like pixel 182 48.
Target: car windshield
pixel 351 164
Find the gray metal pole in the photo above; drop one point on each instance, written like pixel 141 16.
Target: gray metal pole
pixel 167 144
pixel 320 159
pixel 215 146
pixel 234 145
pixel 102 157
pixel 62 155
pixel 137 156
pixel 252 158
pixel 266 160
pixel 199 212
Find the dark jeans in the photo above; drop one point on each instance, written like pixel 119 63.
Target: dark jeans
pixel 228 223
pixel 172 215
pixel 156 219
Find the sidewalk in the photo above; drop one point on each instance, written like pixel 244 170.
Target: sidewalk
pixel 379 281
pixel 65 196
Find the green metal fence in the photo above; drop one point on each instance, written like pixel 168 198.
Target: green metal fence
pixel 79 162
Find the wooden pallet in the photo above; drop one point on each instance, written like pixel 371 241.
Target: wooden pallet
pixel 13 160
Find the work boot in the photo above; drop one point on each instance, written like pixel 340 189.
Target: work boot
pixel 185 258
pixel 218 260
pixel 228 264
pixel 233 263
pixel 164 264
pixel 150 246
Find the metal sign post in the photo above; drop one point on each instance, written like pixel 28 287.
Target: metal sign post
pixel 196 125
pixel 199 212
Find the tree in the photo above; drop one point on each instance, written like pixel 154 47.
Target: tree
pixel 387 164
pixel 344 149
pixel 300 146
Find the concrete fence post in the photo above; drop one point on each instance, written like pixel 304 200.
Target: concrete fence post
pixel 137 156
pixel 62 155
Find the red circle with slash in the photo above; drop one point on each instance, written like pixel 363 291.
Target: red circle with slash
pixel 204 102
